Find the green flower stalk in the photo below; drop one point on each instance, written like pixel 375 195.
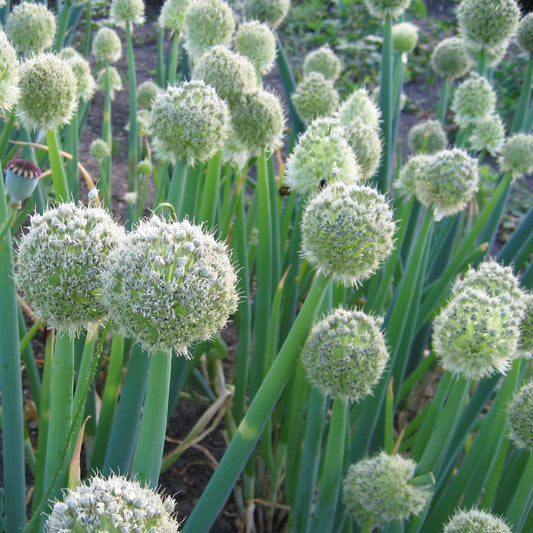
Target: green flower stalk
pixel 9 75
pixel 172 16
pixel 60 263
pixel 345 354
pixel 475 521
pixel 520 418
pixel 127 12
pixel 256 41
pixel 488 134
pixel 404 37
pixel 230 74
pixel 169 285
pixel 379 490
pixel 322 155
pixel 382 8
pixel 82 71
pixel 257 120
pixel 147 92
pixel 315 97
pixel 112 504
pixel 347 232
pixel 270 12
pixel 449 59
pixel 21 179
pixel 447 182
pixel 473 100
pixel 207 23
pixel 524 34
pixel 31 28
pixel 359 105
pixel 323 60
pixel 427 137
pixel 366 143
pixel 517 155
pixel 409 173
pixel 189 123
pixel 106 45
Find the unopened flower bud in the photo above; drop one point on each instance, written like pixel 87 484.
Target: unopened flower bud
pixel 99 149
pixel 107 45
pixel 427 137
pixel 256 41
pixel 449 59
pixel 147 93
pixel 145 167
pixel 404 37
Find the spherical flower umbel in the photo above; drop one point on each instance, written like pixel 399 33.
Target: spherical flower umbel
pixel 106 45
pixel 473 100
pixel 60 262
pixel 256 41
pixel 169 285
pixel 112 504
pixel 271 12
pixel 520 418
pixel 475 521
pixel 517 155
pixel 525 345
pixel 524 35
pixel 115 81
pixel 172 16
pixel 48 92
pixel 9 74
pixel 99 149
pixel 345 354
pixel 488 134
pixel 449 59
pixel 189 122
pixel 315 97
pixel 147 93
pixel 404 37
pixel 31 28
pixel 488 22
pixel 447 182
pixel 322 155
pixel 230 74
pixel 82 71
pixel 322 60
pixel 359 105
pixel 382 8
pixel 427 137
pixel 366 144
pixel 347 232
pixel 493 55
pixel 127 12
pixel 378 490
pixel 409 173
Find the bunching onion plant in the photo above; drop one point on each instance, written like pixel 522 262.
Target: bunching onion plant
pixel 381 374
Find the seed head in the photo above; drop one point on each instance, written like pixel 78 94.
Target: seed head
pixel 256 41
pixel 473 100
pixel 347 232
pixel 409 174
pixel 99 149
pixel 382 8
pixel 315 97
pixel 404 37
pixel 475 521
pixel 113 504
pixel 524 35
pixel 323 60
pixel 82 71
pixel 60 262
pixel 322 153
pixel 488 134
pixel 520 418
pixel 449 59
pixel 107 45
pixel 9 74
pixel 127 12
pixel 147 93
pixel 169 285
pixel 172 16
pixel 189 122
pixel 31 28
pixel 427 137
pixel 366 144
pixel 517 155
pixel 345 354
pixel 271 12
pixel 359 105
pixel 378 490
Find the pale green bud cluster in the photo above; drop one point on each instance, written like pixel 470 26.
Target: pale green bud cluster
pixel 524 34
pixel 230 74
pixel 488 23
pixel 106 45
pixel 323 60
pixel 48 92
pixel 82 71
pixel 115 81
pixel 525 344
pixel 172 16
pixel 382 8
pixel 345 354
pixel 427 137
pixel 257 120
pixel 9 74
pixel 256 41
pixel 147 93
pixel 449 59
pixel 169 285
pixel 517 155
pixel 404 37
pixel 473 100
pixel 366 144
pixel 520 417
pixel 60 263
pixel 477 332
pixel 475 521
pixel 347 232
pixel 127 12
pixel 99 149
pixel 488 134
pixel 189 122
pixel 315 97
pixel 31 28
pixel 207 23
pixel 322 155
pixel 112 504
pixel 377 490
pixel 447 182
pixel 409 173
pixel 145 167
pixel 359 105
pixel 271 12
pixel 143 123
